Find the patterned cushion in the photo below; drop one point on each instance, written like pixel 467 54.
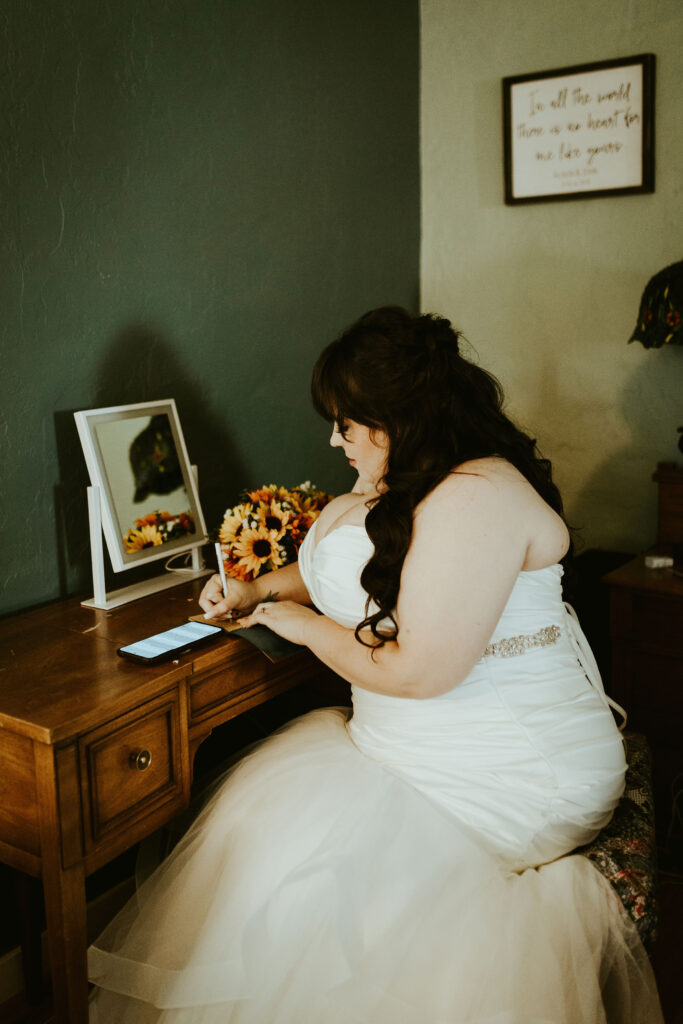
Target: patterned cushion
pixel 625 851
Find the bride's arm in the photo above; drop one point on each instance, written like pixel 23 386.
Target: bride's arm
pixel 242 596
pixel 469 543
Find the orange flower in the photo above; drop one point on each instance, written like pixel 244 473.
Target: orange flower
pixel 262 494
pixel 150 519
pixel 236 571
pixel 301 524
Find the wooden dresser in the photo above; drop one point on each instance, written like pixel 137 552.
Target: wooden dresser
pixel 646 627
pixel 669 480
pixel 97 752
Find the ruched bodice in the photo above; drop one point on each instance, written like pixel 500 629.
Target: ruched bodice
pixel 331 570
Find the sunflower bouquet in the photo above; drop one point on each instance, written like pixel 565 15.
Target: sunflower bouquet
pixel 265 530
pixel 157 528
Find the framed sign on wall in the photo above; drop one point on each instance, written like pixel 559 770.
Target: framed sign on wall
pixel 580 132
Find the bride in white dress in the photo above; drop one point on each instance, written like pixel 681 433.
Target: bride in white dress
pixel 409 862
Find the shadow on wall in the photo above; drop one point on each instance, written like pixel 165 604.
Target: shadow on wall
pixel 140 365
pixel 650 404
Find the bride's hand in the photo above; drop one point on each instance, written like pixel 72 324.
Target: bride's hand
pixel 286 618
pixel 239 598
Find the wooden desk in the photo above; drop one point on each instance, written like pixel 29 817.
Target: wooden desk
pixel 74 720
pixel 646 627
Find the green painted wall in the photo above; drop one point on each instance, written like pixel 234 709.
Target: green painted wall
pixel 196 198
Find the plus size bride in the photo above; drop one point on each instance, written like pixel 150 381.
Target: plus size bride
pixel 409 862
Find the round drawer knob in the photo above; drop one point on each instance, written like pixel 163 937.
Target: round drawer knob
pixel 140 759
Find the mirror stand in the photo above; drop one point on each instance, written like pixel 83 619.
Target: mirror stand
pixel 114 598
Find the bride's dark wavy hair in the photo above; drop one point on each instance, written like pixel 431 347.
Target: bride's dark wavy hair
pixel 405 375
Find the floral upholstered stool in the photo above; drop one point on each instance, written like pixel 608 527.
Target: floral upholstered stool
pixel 625 851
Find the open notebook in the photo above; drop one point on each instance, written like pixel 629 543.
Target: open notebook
pixel 272 645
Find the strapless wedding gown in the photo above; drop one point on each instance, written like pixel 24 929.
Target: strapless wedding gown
pixel 403 864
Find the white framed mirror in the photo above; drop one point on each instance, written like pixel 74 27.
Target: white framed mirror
pixel 146 492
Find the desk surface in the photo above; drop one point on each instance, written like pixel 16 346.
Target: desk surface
pixel 635 575
pixel 59 667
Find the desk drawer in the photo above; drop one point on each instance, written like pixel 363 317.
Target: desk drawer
pixel 131 767
pixel 249 673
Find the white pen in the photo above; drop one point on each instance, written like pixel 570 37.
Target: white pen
pixel 221 569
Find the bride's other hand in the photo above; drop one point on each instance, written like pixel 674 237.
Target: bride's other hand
pixel 286 618
pixel 215 605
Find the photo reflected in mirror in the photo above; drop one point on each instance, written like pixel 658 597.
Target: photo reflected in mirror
pixel 136 456
pixel 151 502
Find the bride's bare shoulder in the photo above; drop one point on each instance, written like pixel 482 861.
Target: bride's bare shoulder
pixel 477 480
pixel 493 491
pixel 489 483
pixel 492 468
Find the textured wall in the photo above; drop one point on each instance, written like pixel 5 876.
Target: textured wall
pixel 195 199
pixel 548 293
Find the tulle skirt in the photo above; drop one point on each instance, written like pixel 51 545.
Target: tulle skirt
pixel 317 888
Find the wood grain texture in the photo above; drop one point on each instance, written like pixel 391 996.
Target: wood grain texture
pixel 18 804
pixel 69 804
pixel 64 893
pixel 116 792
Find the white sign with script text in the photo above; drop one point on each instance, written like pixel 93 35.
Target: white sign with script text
pixel 578 132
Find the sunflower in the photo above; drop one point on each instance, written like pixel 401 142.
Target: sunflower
pixel 233 523
pixel 265 531
pixel 147 536
pixel 255 548
pixel 273 518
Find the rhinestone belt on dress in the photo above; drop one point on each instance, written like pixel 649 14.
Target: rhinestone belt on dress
pixel 513 645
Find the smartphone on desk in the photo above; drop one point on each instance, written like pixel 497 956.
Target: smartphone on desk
pixel 171 643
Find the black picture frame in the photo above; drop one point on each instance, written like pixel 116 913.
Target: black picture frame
pixel 580 132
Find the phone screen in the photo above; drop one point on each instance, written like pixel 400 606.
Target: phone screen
pixel 171 641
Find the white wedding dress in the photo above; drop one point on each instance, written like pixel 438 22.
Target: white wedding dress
pixel 383 868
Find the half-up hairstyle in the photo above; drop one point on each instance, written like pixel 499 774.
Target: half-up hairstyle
pixel 405 375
